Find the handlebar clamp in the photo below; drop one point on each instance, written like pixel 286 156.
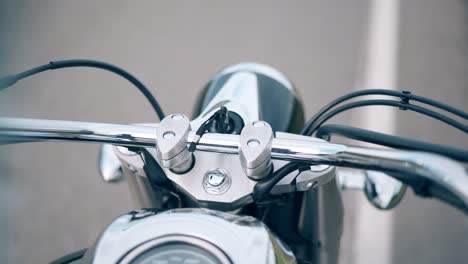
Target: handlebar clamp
pixel 255 149
pixel 172 151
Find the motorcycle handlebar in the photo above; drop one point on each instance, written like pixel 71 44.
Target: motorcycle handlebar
pixel 442 171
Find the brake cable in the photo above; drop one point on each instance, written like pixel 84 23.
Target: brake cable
pixel 9 80
pixel 382 139
pixel 405 97
pixel 404 104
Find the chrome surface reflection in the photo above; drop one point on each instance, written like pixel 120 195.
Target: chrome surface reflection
pixel 110 167
pixel 243 239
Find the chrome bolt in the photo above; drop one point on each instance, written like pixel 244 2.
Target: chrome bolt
pixel 216 181
pixel 216 178
pixel 169 135
pixel 309 185
pixel 253 143
pixel 177 117
pixel 259 124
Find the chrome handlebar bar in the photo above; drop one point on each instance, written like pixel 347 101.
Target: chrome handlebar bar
pixel 36 130
pixel 441 170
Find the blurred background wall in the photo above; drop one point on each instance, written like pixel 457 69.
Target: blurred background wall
pixel 52 200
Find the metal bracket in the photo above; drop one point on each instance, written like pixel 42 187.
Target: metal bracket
pixel 315 177
pixel 255 149
pixel 171 135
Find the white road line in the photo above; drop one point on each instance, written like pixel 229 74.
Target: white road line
pixel 373 234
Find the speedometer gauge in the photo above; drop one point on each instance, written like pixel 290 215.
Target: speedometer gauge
pixel 176 250
pixel 176 254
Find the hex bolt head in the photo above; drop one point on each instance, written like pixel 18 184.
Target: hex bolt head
pixel 168 135
pixel 216 178
pixel 216 181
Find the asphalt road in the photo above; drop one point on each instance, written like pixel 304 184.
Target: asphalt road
pixel 51 197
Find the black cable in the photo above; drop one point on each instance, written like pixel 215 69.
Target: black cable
pixel 53 65
pixel 322 116
pixel 263 187
pixel 391 141
pixel 411 107
pixel 406 96
pixel 222 119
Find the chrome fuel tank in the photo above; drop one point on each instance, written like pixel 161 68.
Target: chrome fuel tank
pixel 187 236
